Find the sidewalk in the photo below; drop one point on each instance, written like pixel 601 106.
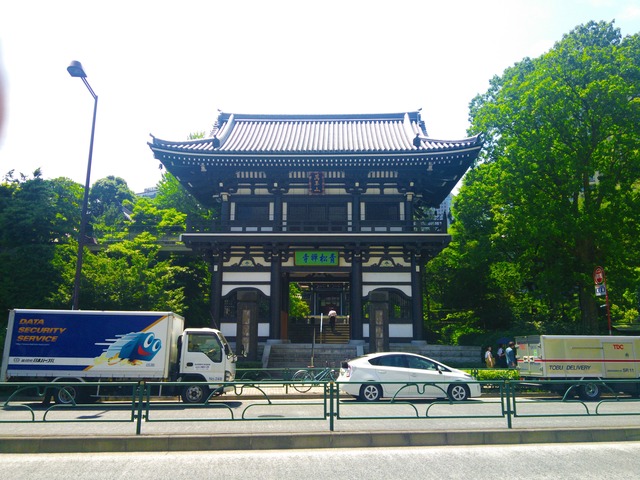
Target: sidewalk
pixel 271 432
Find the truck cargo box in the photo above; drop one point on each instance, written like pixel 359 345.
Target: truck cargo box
pixel 90 344
pixel 577 356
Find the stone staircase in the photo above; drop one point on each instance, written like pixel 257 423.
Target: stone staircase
pixel 304 333
pixel 340 337
pixel 302 355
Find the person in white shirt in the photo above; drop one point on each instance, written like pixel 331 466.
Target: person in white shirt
pixel 332 319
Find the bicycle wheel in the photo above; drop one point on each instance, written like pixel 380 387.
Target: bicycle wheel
pixel 302 376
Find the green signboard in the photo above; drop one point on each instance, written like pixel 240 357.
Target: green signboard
pixel 317 258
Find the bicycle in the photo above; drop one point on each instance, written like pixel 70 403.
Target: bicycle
pixel 306 377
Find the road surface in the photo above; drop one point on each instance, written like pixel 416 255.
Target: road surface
pixel 539 462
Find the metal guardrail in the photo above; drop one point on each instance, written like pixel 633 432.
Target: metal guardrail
pixel 271 400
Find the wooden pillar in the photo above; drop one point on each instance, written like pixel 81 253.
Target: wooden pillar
pixel 416 296
pixel 356 192
pixel 277 191
pixel 409 211
pixel 276 255
pixel 356 294
pixel 215 263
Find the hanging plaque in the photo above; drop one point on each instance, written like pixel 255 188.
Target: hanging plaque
pixel 316 183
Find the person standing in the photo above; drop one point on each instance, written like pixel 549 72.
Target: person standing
pixel 511 356
pixel 501 360
pixel 488 358
pixel 332 319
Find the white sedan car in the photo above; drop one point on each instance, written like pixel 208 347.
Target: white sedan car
pixel 411 375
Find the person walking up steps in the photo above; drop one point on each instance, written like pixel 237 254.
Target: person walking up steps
pixel 332 320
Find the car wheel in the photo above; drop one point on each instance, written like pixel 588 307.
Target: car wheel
pixel 590 391
pixel 370 392
pixel 195 393
pixel 458 392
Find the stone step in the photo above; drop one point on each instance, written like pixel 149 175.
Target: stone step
pixel 290 355
pixel 304 333
pixel 300 355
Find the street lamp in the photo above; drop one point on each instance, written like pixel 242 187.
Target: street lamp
pixel 75 70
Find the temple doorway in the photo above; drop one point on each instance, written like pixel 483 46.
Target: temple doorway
pixel 321 297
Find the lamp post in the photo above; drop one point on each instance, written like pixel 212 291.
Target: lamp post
pixel 75 70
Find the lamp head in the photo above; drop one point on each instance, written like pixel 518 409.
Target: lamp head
pixel 75 69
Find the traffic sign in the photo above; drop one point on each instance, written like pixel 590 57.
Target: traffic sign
pixel 601 290
pixel 598 275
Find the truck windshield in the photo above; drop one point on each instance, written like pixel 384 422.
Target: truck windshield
pixel 208 344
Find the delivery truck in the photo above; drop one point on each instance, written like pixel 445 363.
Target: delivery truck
pixel 607 359
pixel 106 347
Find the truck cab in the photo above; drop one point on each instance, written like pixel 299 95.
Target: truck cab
pixel 205 356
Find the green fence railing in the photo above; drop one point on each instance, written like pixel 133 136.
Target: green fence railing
pixel 311 399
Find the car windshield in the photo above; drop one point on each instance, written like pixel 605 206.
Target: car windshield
pixel 207 344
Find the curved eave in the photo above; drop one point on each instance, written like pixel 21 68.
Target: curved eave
pixel 206 148
pixel 316 159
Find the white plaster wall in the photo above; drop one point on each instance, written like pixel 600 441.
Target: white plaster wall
pixel 249 279
pixel 386 280
pixel 386 277
pixel 396 330
pixel 229 329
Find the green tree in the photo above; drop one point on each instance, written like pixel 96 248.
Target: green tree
pixel 38 238
pixel 298 308
pixel 558 179
pixel 107 199
pixel 130 275
pixel 171 194
pixel 146 216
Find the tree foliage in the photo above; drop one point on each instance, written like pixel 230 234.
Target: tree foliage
pixel 39 221
pixel 171 194
pixel 125 269
pixel 298 308
pixel 130 275
pixel 108 197
pixel 556 191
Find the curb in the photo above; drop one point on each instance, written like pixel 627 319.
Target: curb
pixel 176 443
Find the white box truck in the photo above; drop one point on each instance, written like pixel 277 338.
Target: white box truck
pixel 578 357
pixel 100 346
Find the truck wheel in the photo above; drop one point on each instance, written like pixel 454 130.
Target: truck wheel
pixel 195 393
pixel 590 391
pixel 68 395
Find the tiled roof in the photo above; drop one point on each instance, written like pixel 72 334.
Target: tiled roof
pixel 238 134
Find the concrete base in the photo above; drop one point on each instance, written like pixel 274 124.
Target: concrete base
pixel 173 443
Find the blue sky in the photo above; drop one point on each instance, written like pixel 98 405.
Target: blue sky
pixel 166 67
